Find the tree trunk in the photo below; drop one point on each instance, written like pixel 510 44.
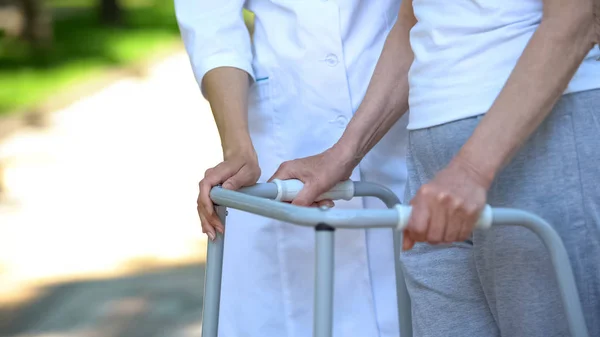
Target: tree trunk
pixel 38 24
pixel 111 13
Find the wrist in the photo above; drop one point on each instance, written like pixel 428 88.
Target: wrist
pixel 481 167
pixel 239 148
pixel 346 153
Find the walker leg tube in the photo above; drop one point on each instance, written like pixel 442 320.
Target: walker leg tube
pixel 212 281
pixel 404 307
pixel 560 260
pixel 323 311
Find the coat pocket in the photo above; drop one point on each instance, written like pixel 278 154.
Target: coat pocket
pixel 260 110
pixel 264 128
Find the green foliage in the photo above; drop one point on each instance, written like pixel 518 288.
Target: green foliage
pixel 82 48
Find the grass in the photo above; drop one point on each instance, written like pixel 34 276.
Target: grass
pixel 82 49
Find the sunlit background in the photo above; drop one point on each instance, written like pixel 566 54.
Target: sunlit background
pixel 103 138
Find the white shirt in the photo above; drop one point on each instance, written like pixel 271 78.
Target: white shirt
pixel 311 61
pixel 465 51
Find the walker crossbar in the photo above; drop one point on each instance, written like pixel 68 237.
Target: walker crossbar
pixel 260 199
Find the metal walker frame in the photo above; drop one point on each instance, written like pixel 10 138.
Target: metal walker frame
pixel 262 199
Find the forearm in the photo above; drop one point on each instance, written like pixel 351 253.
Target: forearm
pixel 541 75
pixel 386 99
pixel 218 44
pixel 226 89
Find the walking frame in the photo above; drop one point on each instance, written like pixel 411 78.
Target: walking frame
pixel 264 199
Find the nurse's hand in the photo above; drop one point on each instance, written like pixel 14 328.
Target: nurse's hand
pixel 235 172
pixel 447 208
pixel 319 173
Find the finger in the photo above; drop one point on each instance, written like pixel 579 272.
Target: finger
pixel 210 221
pixel 464 233
pixel 213 177
pixel 284 171
pixel 438 221
pixel 307 195
pixel 473 212
pixel 321 204
pixel 407 242
pixel 199 205
pixel 205 204
pixel 456 221
pixel 207 228
pixel 206 209
pixel 215 221
pixel 244 177
pixel 418 223
pixel 325 203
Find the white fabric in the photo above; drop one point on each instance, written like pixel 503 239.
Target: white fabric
pixel 465 51
pixel 312 61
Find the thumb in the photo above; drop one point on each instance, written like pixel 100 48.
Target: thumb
pixel 283 172
pixel 231 184
pixel 244 177
pixel 307 195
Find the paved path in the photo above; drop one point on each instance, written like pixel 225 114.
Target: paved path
pixel 110 183
pixel 163 303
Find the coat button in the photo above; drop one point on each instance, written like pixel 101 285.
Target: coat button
pixel 331 60
pixel 342 121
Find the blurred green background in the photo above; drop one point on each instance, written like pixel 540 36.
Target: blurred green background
pixel 66 41
pixel 99 234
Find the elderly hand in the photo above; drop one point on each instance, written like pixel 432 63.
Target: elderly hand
pixel 319 173
pixel 447 208
pixel 236 171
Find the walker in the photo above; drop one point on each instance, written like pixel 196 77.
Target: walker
pixel 263 199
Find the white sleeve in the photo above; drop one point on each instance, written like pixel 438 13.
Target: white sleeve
pixel 214 35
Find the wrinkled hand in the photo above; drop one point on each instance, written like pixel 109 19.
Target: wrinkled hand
pixel 447 208
pixel 319 173
pixel 235 172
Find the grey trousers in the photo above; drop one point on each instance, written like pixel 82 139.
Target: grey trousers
pixel 502 284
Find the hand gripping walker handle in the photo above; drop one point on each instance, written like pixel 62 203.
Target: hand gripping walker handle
pixel 287 190
pixel 485 218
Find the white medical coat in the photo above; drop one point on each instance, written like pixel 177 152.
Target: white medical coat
pixel 311 62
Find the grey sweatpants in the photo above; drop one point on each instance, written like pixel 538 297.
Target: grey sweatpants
pixel 503 283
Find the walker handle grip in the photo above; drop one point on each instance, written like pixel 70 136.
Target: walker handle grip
pixel 287 190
